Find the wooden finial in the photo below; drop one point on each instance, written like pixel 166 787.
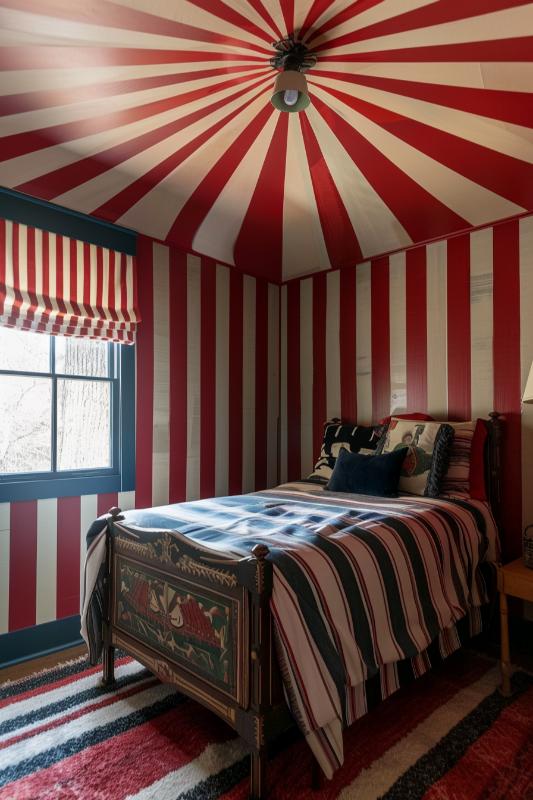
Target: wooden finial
pixel 115 512
pixel 260 551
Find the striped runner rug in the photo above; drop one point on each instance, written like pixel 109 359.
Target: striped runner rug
pixel 450 735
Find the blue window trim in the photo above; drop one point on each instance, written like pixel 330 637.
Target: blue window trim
pixel 118 478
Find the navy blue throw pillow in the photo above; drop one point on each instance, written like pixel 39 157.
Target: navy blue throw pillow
pixel 362 474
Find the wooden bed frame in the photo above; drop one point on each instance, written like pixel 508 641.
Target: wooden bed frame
pixel 245 688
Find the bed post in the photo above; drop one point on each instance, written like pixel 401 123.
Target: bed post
pixel 260 651
pixel 108 653
pixel 493 474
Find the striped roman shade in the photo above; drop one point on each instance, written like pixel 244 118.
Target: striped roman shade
pixel 54 284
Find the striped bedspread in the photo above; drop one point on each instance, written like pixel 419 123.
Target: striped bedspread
pixel 360 584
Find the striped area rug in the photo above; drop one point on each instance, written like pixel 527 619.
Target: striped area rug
pixel 448 736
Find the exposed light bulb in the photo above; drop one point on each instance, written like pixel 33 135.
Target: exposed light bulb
pixel 290 96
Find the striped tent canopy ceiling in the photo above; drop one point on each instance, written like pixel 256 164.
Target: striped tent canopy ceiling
pixel 155 114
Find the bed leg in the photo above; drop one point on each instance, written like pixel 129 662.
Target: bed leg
pixel 108 677
pixel 258 760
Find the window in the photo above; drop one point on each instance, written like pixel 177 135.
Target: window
pixel 66 416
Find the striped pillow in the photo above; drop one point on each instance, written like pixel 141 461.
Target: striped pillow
pixel 456 480
pixel 336 437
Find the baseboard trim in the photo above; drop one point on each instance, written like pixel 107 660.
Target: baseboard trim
pixel 39 640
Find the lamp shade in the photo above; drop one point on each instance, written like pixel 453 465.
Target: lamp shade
pixel 527 397
pixel 290 91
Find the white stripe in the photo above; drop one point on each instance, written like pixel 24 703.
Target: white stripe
pixel 214 759
pixel 437 344
pixel 526 358
pixel 194 322
pixel 88 513
pixel 397 328
pixel 273 385
pixel 306 377
pixel 386 9
pixel 304 248
pixel 283 393
pixel 126 500
pixel 363 344
pixel 25 706
pixel 46 561
pixel 481 328
pixel 24 729
pixel 333 355
pixel 4 566
pixel 248 384
pixel 373 782
pixel 222 410
pixel 161 387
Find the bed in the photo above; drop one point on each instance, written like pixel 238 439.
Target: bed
pixel 292 604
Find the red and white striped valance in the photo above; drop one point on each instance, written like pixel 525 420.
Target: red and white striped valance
pixel 53 284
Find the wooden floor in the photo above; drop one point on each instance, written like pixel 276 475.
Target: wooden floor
pixel 37 664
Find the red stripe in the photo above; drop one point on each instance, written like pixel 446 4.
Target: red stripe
pixel 260 239
pixel 400 192
pixel 227 14
pixel 319 360
pixel 287 8
pixel 380 335
pixel 68 556
pixel 429 15
pixel 235 382
pixel 498 50
pixel 340 238
pixel 458 309
pixel 510 177
pixel 106 501
pixel 53 57
pixel 265 14
pixel 145 375
pixel 201 200
pixel 507 375
pixel 347 343
pixel 116 206
pixel 23 564
pixel 178 376
pixel 261 383
pixel 293 381
pixel 416 329
pixel 63 179
pixel 208 377
pixel 348 13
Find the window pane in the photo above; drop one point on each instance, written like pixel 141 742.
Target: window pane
pixel 83 424
pixel 24 351
pixel 81 357
pixel 25 431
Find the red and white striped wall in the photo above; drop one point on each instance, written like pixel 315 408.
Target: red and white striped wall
pixel 207 418
pixel 445 328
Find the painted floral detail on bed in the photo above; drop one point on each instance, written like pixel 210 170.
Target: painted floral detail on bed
pixel 427 455
pixel 338 435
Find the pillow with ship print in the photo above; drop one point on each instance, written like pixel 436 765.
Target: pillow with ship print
pixel 426 460
pixel 338 435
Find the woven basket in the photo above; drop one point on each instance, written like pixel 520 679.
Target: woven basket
pixel 527 545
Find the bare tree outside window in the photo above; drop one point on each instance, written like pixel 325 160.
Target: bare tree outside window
pixel 82 405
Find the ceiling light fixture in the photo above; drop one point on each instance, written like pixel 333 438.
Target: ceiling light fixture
pixel 292 59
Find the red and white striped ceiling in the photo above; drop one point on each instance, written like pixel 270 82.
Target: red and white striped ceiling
pixel 155 114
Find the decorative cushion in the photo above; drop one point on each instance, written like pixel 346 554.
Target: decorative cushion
pixel 408 415
pixel 338 436
pixel 367 474
pixel 426 460
pixel 456 480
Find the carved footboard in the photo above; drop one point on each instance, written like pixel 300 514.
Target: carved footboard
pixel 200 621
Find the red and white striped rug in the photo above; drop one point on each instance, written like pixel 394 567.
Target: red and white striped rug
pixel 449 735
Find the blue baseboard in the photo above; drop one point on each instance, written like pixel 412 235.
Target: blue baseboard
pixel 40 640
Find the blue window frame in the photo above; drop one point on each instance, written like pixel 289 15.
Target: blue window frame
pixel 119 474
